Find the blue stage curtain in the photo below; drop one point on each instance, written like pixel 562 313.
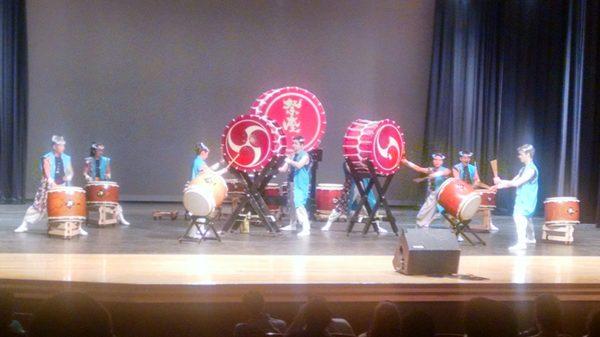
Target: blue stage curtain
pixel 505 73
pixel 13 100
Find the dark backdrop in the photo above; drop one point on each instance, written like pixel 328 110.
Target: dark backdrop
pixel 506 73
pixel 149 78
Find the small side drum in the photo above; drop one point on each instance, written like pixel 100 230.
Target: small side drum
pixel 488 198
pixel 272 196
pixel 234 185
pixel 204 194
pixel 102 193
pixel 458 199
pixel 66 203
pixel 328 196
pixel 563 210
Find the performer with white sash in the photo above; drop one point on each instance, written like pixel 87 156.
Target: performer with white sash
pixel 97 168
pixel 299 169
pixel 526 183
pixel 56 170
pixel 435 176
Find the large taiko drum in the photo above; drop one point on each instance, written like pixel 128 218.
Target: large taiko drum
pixel 66 203
pixel 249 142
pixel 297 111
pixel 380 142
pixel 204 194
pixel 488 198
pixel 327 196
pixel 458 199
pixel 272 196
pixel 563 210
pixel 102 193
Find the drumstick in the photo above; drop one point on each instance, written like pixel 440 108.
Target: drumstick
pixel 224 170
pixel 494 165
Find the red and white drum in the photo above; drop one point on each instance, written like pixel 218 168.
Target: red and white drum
pixel 249 142
pixel 66 203
pixel 563 210
pixel 458 198
pixel 204 194
pixel 327 196
pixel 234 185
pixel 297 110
pixel 380 142
pixel 102 193
pixel 488 198
pixel 272 195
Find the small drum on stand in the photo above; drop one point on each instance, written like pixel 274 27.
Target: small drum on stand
pixel 102 193
pixel 328 196
pixel 458 199
pixel 561 214
pixel 273 197
pixel 488 199
pixel 204 194
pixel 488 203
pixel 66 211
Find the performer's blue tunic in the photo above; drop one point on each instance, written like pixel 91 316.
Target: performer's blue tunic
pixel 526 199
pixel 301 181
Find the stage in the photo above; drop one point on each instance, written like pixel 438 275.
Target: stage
pixel 144 263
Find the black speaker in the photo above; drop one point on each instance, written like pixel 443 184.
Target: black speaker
pixel 427 252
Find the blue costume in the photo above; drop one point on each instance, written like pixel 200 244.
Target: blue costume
pixel 98 167
pixel 371 197
pixel 466 173
pixel 58 166
pixel 434 185
pixel 301 179
pixel 197 166
pixel 526 198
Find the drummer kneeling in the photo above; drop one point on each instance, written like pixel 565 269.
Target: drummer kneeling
pixel 97 168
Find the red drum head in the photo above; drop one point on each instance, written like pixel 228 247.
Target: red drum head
pixel 297 110
pixel 380 142
pixel 249 142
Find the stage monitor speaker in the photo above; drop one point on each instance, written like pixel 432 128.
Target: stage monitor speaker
pixel 427 252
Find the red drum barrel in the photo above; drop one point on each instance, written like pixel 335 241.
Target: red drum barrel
pixel 488 198
pixel 272 195
pixel 561 210
pixel 102 193
pixel 66 204
pixel 379 142
pixel 205 193
pixel 458 199
pixel 327 196
pixel 297 111
pixel 249 142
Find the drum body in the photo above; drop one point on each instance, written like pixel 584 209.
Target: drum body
pixel 102 193
pixel 205 193
pixel 66 204
pixel 458 199
pixel 563 210
pixel 488 198
pixel 272 195
pixel 379 142
pixel 327 196
pixel 234 185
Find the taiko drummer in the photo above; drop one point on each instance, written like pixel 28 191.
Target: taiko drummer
pixel 97 168
pixel 56 170
pixel 435 176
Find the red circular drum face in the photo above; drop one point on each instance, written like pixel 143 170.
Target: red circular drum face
pixel 297 111
pixel 388 147
pixel 249 142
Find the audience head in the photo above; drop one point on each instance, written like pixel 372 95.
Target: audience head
pixel 71 314
pixel 593 325
pixel 317 314
pixel 254 303
pixel 489 318
pixel 548 313
pixel 6 307
pixel 418 324
pixel 386 320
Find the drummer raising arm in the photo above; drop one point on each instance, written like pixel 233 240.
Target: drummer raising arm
pixel 435 176
pixel 56 170
pixel 97 168
pixel 199 165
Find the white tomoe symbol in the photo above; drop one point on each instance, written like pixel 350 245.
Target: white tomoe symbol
pixel 385 151
pixel 257 150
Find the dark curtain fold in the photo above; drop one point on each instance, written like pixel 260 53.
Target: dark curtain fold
pixel 13 100
pixel 505 73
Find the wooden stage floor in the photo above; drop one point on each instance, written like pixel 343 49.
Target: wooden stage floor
pixel 143 263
